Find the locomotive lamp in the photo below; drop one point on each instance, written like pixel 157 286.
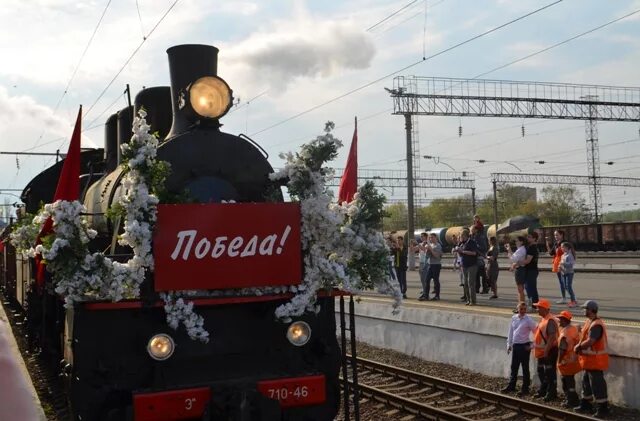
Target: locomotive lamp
pixel 161 347
pixel 299 333
pixel 198 95
pixel 210 97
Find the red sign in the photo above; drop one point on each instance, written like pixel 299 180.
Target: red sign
pixel 296 391
pixel 232 245
pixel 185 404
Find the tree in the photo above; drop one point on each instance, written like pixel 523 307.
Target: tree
pixel 396 218
pixel 626 215
pixel 563 205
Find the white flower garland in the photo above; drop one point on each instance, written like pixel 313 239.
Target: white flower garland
pixel 79 275
pixel 334 240
pixel 329 240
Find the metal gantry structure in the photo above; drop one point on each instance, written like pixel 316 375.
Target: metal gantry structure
pixel 555 179
pixel 423 180
pixel 413 95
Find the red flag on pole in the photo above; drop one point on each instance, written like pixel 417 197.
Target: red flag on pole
pixel 68 188
pixel 349 180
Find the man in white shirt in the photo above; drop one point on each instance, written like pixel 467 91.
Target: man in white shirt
pixel 519 341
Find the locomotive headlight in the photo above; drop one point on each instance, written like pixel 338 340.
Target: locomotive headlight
pixel 161 346
pixel 299 333
pixel 210 97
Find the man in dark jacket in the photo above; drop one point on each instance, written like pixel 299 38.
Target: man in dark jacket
pixel 400 264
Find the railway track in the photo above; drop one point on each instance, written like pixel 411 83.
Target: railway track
pixel 414 395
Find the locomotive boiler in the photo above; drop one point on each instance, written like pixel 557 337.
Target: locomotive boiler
pixel 121 360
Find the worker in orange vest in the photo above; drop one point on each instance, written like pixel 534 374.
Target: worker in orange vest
pixel 546 351
pixel 568 363
pixel 593 355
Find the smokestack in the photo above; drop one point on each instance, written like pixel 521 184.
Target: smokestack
pixel 125 124
pixel 188 63
pixel 111 143
pixel 156 102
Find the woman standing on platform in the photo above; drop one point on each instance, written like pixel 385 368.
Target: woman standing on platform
pixel 516 256
pixel 566 269
pixel 492 268
pixel 555 250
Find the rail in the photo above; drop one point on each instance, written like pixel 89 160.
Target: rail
pixel 438 399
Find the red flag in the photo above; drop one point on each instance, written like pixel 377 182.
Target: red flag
pixel 68 188
pixel 349 180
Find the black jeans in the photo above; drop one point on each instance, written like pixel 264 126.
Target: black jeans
pixel 433 273
pixel 531 284
pixel 594 385
pixel 520 356
pixel 547 373
pixel 402 279
pixel 482 273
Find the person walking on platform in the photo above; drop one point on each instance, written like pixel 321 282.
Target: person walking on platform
pixel 457 259
pixel 519 342
pixel 469 253
pixel 594 360
pixel 568 364
pixel 546 351
pixel 400 265
pixel 492 268
pixel 531 268
pixel 424 266
pixel 434 256
pixel 555 250
pixel 481 274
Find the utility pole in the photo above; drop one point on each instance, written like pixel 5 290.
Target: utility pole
pixel 495 205
pixel 473 201
pixel 411 224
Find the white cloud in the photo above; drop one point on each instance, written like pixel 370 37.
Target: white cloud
pixel 304 48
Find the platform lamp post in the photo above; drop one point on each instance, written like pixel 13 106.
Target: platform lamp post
pixel 495 205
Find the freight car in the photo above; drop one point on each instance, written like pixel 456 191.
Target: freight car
pixel 121 361
pixel 607 236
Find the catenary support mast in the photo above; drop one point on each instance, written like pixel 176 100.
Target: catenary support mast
pixel 501 98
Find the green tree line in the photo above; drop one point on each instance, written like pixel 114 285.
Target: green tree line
pixel 558 205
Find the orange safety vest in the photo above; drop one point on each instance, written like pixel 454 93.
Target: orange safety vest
pixel 555 265
pixel 569 364
pixel 540 340
pixel 596 357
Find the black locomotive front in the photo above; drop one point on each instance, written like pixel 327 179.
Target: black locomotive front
pixel 250 370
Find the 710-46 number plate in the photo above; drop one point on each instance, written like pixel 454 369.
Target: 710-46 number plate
pixel 296 391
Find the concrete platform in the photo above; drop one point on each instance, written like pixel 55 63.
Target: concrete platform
pixel 18 398
pixel 617 294
pixel 475 338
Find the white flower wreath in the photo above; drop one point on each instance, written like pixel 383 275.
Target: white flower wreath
pixel 342 244
pixel 342 248
pixel 80 275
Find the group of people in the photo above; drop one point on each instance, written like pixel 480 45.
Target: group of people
pixel 524 264
pixel 564 258
pixel 477 262
pixel 559 346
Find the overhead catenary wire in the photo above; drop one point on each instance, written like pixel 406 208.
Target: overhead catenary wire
pixel 75 70
pixel 391 15
pixel 135 51
pixel 453 47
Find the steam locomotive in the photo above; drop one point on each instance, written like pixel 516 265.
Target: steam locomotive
pixel 254 368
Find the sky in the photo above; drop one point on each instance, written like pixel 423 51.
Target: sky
pixel 293 65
